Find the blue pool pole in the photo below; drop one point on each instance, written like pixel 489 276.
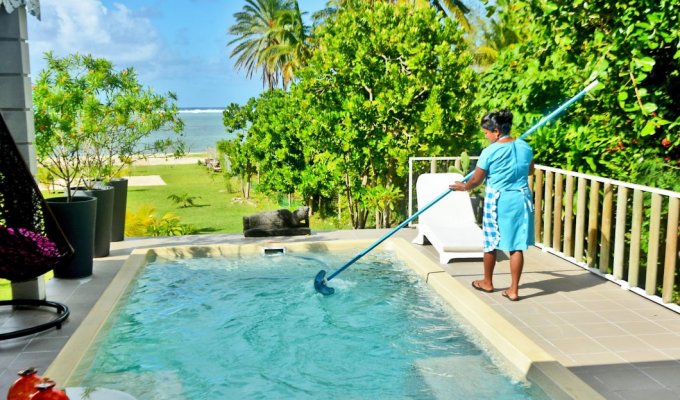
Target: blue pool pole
pixel 320 280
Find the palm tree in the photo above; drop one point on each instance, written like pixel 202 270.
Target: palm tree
pixel 294 48
pixel 270 37
pixel 501 32
pixel 456 9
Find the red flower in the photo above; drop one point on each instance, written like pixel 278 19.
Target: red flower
pixel 665 142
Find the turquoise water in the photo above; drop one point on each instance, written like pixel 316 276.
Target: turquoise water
pixel 254 328
pixel 202 129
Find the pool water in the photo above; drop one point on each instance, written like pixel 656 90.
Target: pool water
pixel 252 327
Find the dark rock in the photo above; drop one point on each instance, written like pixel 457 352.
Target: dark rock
pixel 277 223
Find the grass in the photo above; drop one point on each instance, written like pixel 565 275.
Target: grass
pixel 219 206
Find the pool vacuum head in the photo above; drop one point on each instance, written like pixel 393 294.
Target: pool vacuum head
pixel 320 284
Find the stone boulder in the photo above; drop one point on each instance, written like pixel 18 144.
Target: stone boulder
pixel 277 223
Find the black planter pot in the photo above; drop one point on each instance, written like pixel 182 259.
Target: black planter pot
pixel 120 187
pixel 76 219
pixel 102 226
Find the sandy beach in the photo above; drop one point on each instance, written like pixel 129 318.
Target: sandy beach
pixel 149 180
pixel 161 159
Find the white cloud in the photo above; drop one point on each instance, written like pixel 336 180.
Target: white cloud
pixel 88 27
pixel 179 47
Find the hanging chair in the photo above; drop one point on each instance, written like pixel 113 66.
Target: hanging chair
pixel 27 248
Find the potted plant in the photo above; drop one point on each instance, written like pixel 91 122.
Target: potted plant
pixel 111 115
pixel 121 117
pixel 59 138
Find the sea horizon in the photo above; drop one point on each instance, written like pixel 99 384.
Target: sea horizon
pixel 203 128
pixel 201 109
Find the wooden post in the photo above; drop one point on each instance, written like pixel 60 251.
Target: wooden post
pixel 569 218
pixel 580 219
pixel 593 211
pixel 671 250
pixel 620 231
pixel 538 202
pixel 547 209
pixel 653 252
pixel 635 234
pixel 606 227
pixel 557 213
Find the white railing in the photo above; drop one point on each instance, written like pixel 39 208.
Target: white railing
pixel 625 232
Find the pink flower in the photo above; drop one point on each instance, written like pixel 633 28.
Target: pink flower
pixel 21 247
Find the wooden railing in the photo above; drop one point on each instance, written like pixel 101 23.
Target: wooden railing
pixel 625 232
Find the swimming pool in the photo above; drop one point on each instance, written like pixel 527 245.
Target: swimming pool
pixel 383 334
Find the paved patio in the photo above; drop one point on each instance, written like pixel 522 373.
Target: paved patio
pixel 623 345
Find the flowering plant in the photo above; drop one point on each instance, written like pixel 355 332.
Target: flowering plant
pixel 24 250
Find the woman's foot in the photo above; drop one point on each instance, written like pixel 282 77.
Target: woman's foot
pixel 509 296
pixel 481 286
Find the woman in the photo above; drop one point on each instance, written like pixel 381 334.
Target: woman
pixel 508 221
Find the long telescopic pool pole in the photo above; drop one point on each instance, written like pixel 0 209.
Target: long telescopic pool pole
pixel 320 280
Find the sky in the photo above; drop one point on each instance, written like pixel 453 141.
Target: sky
pixel 174 45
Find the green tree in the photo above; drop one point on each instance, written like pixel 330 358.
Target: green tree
pixel 500 31
pixel 271 37
pixel 239 151
pixel 276 144
pixel 90 119
pixel 627 129
pixel 387 82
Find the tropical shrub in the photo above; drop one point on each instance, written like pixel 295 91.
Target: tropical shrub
pixel 386 82
pixel 629 125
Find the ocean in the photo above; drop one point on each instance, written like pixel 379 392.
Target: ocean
pixel 202 129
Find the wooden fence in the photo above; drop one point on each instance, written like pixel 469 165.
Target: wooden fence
pixel 626 232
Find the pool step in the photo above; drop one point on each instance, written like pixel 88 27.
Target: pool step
pixel 144 385
pixel 466 377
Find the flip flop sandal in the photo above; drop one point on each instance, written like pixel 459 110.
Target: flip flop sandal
pixel 481 289
pixel 507 296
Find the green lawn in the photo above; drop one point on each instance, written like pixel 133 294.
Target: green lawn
pixel 219 205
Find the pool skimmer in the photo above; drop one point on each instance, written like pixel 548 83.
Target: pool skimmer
pixel 273 251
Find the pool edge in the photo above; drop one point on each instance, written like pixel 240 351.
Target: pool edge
pixel 527 358
pixel 64 365
pixel 518 350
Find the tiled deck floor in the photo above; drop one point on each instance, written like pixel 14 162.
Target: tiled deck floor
pixel 624 346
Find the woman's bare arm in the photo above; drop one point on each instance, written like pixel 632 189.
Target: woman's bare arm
pixel 477 178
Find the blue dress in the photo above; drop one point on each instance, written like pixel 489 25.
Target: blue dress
pixel 508 221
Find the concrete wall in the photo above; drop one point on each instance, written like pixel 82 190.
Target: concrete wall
pixel 16 101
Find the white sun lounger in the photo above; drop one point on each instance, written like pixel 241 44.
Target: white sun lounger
pixel 449 225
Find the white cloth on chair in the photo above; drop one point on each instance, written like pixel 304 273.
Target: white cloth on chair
pixel 449 225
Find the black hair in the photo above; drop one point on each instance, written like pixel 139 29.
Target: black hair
pixel 501 120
